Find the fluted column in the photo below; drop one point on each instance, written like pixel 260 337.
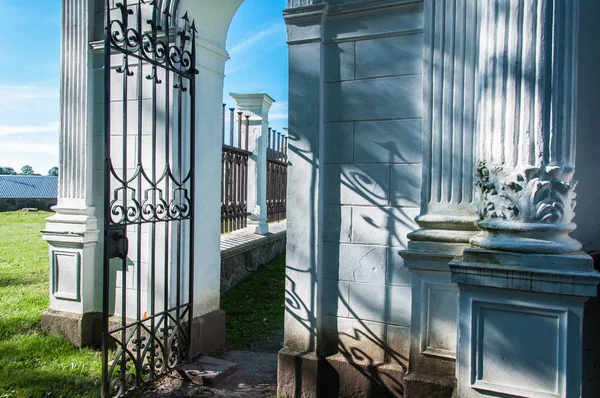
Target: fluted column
pixel 73 231
pixel 523 287
pixel 447 219
pixel 447 202
pixel 526 125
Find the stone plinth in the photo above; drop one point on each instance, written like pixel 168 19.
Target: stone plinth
pixel 520 322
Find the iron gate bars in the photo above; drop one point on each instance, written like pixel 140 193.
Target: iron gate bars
pixel 149 127
pixel 276 176
pixel 234 173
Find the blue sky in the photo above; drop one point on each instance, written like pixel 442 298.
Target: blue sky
pixel 30 65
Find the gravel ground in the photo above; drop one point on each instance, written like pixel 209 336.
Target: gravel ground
pixel 256 377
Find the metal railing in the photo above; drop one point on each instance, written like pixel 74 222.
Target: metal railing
pixel 234 177
pixel 276 176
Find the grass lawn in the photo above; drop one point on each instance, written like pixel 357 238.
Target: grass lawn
pixel 255 307
pixel 33 364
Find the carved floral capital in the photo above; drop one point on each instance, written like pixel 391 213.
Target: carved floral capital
pixel 529 194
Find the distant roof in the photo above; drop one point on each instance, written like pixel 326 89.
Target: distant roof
pixel 29 187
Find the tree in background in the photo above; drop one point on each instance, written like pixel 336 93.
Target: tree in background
pixel 53 171
pixel 27 170
pixel 7 171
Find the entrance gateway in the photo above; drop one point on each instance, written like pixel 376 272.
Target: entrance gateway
pixel 149 71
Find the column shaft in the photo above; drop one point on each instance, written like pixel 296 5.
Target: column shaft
pixel 447 201
pixel 526 123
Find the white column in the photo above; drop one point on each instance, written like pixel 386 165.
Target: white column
pixel 258 105
pixel 527 123
pixel 524 284
pixel 447 219
pixel 72 233
pixel 212 18
pixel 447 202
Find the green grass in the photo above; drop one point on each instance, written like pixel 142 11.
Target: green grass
pixel 33 364
pixel 255 307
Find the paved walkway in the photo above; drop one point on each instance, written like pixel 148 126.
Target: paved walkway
pixel 256 377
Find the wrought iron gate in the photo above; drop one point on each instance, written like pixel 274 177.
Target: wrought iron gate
pixel 149 98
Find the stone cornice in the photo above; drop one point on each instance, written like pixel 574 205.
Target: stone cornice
pixel 259 104
pixel 569 274
pixel 315 11
pixel 367 5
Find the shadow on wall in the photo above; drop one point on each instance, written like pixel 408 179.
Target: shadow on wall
pixel 356 350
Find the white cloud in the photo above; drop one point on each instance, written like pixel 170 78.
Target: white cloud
pixel 41 128
pixel 279 111
pixel 29 92
pixel 41 156
pixel 29 148
pixel 253 39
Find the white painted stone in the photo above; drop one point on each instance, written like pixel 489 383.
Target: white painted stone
pixel 402 55
pixel 405 185
pixel 389 141
pixel 393 21
pixel 305 200
pixel 370 99
pixel 212 21
pixel 380 303
pixel 527 124
pixel 501 349
pixel 386 226
pixel 355 263
pixel 258 105
pixel 447 205
pixel 336 298
pixel 357 184
pixel 339 61
pixel 527 275
pixel 339 143
pixel 337 223
pixel 72 232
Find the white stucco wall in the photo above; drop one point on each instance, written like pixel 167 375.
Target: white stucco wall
pixel 372 174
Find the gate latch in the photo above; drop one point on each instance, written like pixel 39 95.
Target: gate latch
pixel 118 243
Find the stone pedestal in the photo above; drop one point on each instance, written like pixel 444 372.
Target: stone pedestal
pixel 520 322
pixel 258 105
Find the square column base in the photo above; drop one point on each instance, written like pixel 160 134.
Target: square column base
pixel 208 333
pixel 520 326
pixel 83 330
pixel 428 386
pixel 257 225
pixel 308 375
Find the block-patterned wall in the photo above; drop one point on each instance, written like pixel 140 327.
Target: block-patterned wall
pixel 373 63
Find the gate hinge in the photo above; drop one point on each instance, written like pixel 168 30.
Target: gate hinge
pixel 118 245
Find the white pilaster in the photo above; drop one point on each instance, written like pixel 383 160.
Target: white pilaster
pixel 72 233
pixel 447 219
pixel 524 284
pixel 258 105
pixel 212 20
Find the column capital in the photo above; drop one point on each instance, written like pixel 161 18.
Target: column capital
pixel 258 104
pixel 527 70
